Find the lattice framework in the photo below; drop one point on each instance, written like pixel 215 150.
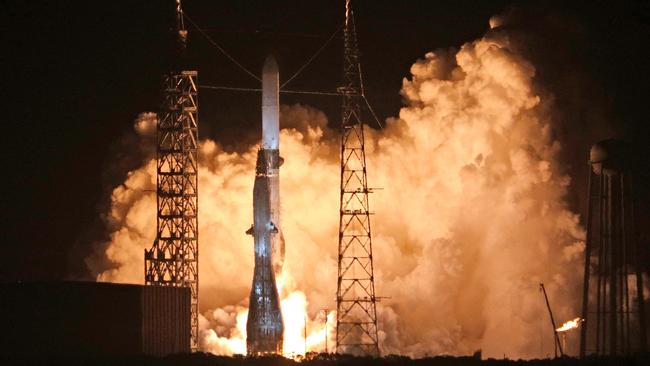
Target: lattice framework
pixel 356 323
pixel 614 316
pixel 173 260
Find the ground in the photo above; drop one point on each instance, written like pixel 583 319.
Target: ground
pixel 205 359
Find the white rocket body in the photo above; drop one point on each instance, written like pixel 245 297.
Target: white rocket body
pixel 264 327
pixel 270 105
pixel 271 144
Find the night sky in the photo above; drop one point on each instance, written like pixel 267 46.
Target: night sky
pixel 77 74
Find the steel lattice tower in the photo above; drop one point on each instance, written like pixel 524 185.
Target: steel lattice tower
pixel 613 311
pixel 356 322
pixel 173 258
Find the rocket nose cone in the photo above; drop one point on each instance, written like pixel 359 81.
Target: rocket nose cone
pixel 270 65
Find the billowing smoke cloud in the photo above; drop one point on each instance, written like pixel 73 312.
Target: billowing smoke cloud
pixel 483 219
pixel 471 218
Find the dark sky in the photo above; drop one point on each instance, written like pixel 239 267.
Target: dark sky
pixel 76 75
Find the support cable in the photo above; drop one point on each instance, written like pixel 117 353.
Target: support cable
pixel 363 94
pixel 215 87
pixel 313 56
pixel 223 51
pixel 372 111
pixel 298 72
pixel 230 88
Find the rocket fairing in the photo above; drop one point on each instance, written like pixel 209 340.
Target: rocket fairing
pixel 264 328
pixel 270 105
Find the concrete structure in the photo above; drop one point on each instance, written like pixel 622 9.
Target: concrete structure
pixel 77 319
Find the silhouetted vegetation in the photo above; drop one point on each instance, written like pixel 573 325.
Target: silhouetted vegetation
pixel 205 359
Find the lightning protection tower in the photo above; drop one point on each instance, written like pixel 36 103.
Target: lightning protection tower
pixel 356 322
pixel 173 259
pixel 613 305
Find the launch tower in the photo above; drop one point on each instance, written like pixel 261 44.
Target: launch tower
pixel 613 305
pixel 356 319
pixel 173 259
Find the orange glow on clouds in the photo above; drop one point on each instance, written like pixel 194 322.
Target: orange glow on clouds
pixel 472 216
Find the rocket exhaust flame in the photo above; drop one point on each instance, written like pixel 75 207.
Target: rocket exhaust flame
pixel 472 216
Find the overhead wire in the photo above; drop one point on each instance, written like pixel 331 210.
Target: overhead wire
pixel 313 56
pixel 230 88
pixel 223 51
pixel 259 32
pixel 372 111
pixel 363 94
pixel 298 72
pixel 306 92
pixel 309 92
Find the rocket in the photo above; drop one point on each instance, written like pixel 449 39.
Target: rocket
pixel 264 327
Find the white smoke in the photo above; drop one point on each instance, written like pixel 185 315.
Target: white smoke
pixel 470 220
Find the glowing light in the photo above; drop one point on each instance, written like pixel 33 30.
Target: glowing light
pixel 235 343
pixel 297 322
pixel 571 324
pixel 473 183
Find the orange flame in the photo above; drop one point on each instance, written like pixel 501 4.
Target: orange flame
pixel 571 324
pixel 475 130
pixel 297 322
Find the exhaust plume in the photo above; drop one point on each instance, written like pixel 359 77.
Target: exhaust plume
pixel 472 216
